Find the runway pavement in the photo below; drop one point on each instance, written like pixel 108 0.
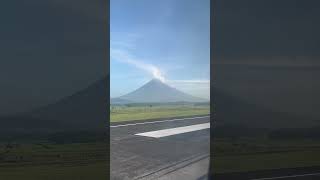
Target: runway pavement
pixel 152 149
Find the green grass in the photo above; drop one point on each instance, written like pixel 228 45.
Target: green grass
pixel 124 113
pixel 253 162
pixel 56 153
pixel 92 171
pixel 54 161
pixel 260 154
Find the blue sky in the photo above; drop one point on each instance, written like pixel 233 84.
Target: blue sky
pixel 167 39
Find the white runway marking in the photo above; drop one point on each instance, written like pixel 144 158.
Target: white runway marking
pixel 174 131
pixel 152 122
pixel 286 177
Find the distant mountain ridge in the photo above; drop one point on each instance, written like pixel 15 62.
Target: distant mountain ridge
pixel 156 91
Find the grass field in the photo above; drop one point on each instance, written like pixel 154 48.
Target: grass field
pixel 56 172
pixel 54 161
pixel 260 154
pixel 127 113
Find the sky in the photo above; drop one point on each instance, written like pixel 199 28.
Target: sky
pixel 49 50
pixel 267 28
pixel 168 40
pixel 268 54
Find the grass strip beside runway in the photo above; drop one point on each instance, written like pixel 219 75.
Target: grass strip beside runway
pixel 83 161
pixel 128 113
pixel 258 154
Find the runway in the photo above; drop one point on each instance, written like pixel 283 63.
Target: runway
pixel 151 149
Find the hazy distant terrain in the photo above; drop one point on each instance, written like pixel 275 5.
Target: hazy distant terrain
pixel 293 90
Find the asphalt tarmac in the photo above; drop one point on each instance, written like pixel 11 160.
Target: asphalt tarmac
pixel 152 149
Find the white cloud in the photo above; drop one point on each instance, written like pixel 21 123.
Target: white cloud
pixel 125 57
pixel 120 52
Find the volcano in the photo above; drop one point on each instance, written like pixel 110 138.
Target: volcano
pixel 83 110
pixel 155 91
pixel 86 109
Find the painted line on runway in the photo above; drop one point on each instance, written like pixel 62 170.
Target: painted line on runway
pixel 291 176
pixel 152 122
pixel 174 131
